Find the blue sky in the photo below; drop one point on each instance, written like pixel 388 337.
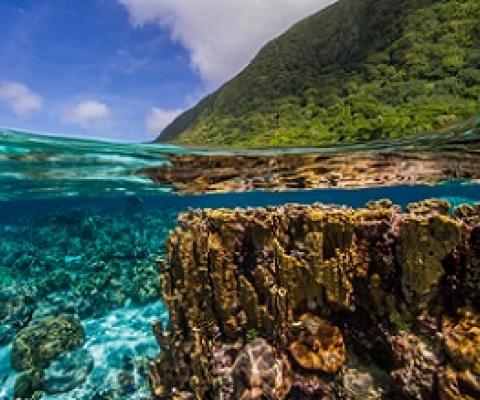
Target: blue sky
pixel 122 69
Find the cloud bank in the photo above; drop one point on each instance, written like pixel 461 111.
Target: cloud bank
pixel 222 36
pixel 158 118
pixel 19 99
pixel 86 113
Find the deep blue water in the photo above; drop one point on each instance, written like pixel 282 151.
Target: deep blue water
pixel 80 233
pixel 456 192
pixel 400 195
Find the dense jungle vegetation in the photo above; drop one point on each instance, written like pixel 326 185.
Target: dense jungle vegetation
pixel 359 70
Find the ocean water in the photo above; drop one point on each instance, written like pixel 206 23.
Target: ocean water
pixel 81 230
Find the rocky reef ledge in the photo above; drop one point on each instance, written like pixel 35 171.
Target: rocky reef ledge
pixel 310 302
pixel 192 174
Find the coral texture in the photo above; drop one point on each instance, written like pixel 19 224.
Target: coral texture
pixel 259 373
pixel 319 347
pixel 237 173
pixel 461 379
pixel 330 302
pixel 38 344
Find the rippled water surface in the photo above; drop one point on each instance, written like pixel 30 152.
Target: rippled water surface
pixel 33 166
pixel 81 231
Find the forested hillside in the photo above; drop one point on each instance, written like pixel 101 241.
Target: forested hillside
pixel 359 70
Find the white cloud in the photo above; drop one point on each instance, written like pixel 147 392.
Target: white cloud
pixel 86 113
pixel 158 118
pixel 222 36
pixel 19 99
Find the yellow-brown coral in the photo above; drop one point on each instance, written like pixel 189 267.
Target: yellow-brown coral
pixel 238 274
pixel 461 380
pixel 423 244
pixel 320 345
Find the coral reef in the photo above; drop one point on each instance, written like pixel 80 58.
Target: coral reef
pixel 37 345
pixel 41 342
pixel 332 302
pixel 65 272
pixel 79 261
pixel 210 173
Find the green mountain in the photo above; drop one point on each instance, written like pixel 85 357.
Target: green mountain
pixel 358 70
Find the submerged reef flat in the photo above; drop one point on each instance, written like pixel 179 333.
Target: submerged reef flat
pixel 237 173
pixel 79 290
pixel 80 261
pixel 310 302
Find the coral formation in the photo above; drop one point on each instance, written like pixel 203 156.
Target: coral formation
pixel 415 368
pixel 319 347
pixel 423 244
pixel 333 302
pixel 362 381
pixel 259 373
pixel 79 261
pixel 461 378
pixel 37 345
pixel 209 173
pixel 16 310
pixel 40 343
pixel 28 385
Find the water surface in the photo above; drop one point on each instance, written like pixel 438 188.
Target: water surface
pixel 33 166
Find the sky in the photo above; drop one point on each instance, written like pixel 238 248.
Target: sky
pixel 123 69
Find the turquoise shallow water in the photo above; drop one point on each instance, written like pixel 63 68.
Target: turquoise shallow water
pixel 81 231
pixel 40 167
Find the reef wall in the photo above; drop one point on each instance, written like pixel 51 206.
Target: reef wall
pixel 309 302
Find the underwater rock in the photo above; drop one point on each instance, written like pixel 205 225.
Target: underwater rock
pixel 259 372
pixel 68 371
pixel 41 342
pixel 319 346
pixel 312 280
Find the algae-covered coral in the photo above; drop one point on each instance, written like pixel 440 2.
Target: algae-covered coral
pixel 368 303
